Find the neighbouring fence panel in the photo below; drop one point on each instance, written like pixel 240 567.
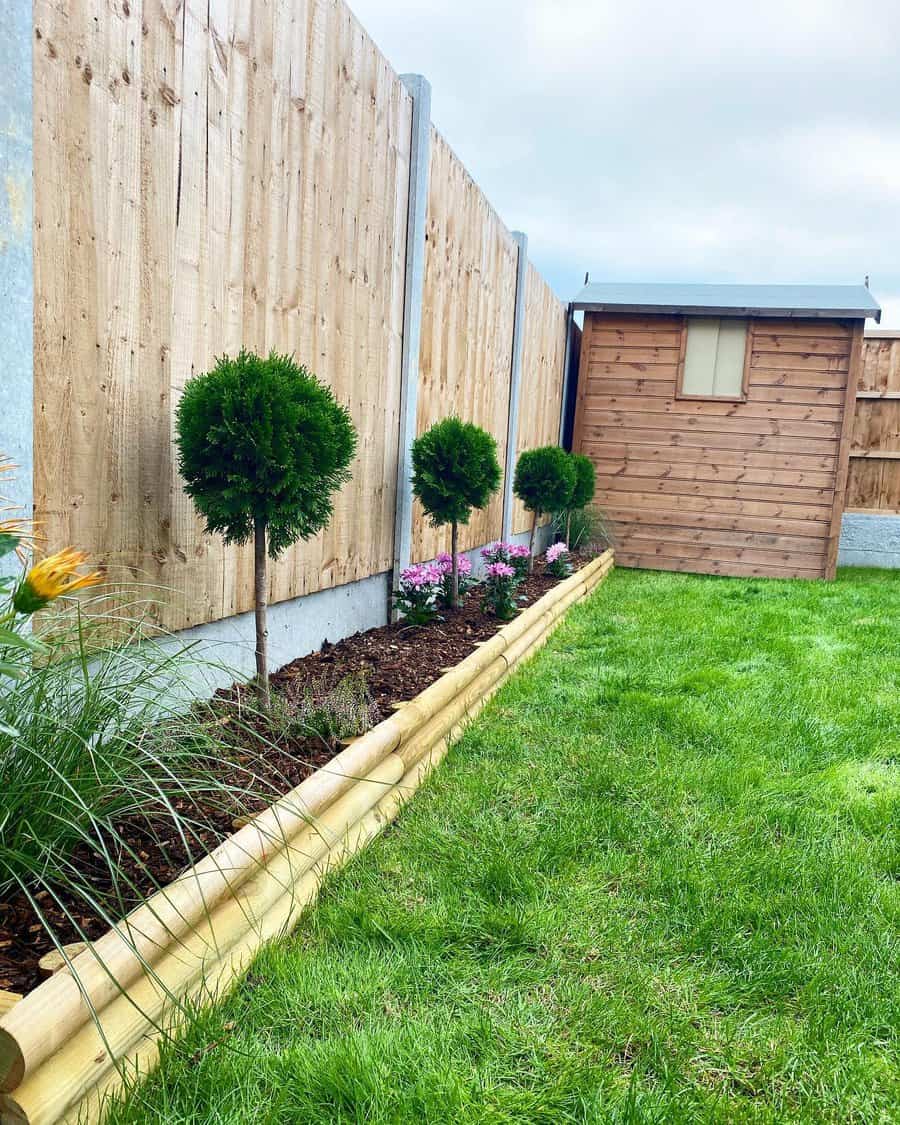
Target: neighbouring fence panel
pixel 210 176
pixel 543 374
pixel 874 481
pixel 467 327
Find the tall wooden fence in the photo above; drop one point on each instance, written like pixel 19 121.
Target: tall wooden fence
pixel 874 481
pixel 211 177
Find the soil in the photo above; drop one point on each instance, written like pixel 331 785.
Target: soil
pixel 396 661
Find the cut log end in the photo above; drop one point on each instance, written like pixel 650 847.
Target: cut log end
pixel 58 959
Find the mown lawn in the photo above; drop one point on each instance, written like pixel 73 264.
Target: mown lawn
pixel 657 881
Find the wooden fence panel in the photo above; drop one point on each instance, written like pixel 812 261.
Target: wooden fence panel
pixel 210 176
pixel 543 374
pixel 467 328
pixel 874 480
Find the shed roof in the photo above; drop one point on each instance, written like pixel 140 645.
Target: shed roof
pixel 849 302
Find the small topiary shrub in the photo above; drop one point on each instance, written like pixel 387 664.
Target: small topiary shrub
pixel 544 482
pixel 455 469
pixel 263 446
pixel 583 492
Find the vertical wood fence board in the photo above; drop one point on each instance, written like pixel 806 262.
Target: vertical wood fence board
pixel 874 481
pixel 543 374
pixel 219 175
pixel 238 177
pixel 467 327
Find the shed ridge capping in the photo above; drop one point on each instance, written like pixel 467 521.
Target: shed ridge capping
pixel 844 302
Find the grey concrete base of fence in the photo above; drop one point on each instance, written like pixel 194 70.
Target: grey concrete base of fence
pixel 296 628
pixel 870 539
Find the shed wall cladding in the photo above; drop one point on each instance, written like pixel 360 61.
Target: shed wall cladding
pixel 739 488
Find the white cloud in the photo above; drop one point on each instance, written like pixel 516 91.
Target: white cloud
pixel 703 140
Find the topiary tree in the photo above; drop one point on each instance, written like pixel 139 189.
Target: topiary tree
pixel 583 492
pixel 455 469
pixel 544 482
pixel 263 445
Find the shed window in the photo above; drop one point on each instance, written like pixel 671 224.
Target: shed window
pixel 714 358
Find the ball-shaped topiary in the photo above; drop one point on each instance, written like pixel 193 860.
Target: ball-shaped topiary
pixel 455 469
pixel 585 481
pixel 544 482
pixel 583 492
pixel 263 445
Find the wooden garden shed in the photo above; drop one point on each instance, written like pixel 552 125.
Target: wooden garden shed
pixel 719 420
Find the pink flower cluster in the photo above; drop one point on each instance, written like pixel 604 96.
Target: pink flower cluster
pixel 502 552
pixel 556 552
pixel 445 564
pixel 421 575
pixel 499 570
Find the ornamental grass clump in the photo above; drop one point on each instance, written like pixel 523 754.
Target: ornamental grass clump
pixel 466 581
pixel 419 593
pixel 104 754
pixel 263 446
pixel 455 470
pixel 558 561
pixel 500 585
pixel 544 482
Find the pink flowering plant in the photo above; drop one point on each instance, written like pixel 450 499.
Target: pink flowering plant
pixel 558 561
pixel 500 585
pixel 444 563
pixel 513 554
pixel 419 592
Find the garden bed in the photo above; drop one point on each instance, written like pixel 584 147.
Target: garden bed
pixel 196 935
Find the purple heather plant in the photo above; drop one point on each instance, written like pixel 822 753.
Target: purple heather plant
pixel 558 561
pixel 419 592
pixel 500 585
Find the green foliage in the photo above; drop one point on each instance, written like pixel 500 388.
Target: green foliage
pixel 545 479
pixel 262 438
pixel 588 529
pixel 585 481
pixel 455 469
pixel 98 733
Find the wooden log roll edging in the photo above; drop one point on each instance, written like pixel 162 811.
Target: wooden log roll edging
pixel 76 1038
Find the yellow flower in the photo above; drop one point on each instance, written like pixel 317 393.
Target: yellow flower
pixel 52 578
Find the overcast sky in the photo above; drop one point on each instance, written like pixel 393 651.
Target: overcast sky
pixel 692 141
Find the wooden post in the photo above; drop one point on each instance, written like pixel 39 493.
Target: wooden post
pixel 16 269
pixel 515 382
pixel 419 166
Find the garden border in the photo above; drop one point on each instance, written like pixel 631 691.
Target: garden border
pixel 69 1044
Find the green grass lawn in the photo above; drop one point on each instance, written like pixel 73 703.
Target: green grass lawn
pixel 657 881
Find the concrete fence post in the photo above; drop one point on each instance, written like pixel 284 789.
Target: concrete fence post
pixel 16 270
pixel 419 166
pixel 515 383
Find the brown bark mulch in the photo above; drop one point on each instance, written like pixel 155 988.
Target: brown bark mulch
pixel 396 661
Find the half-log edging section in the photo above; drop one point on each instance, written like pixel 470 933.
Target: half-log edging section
pixel 68 1045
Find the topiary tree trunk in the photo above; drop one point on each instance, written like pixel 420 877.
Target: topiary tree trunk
pixel 569 529
pixel 261 589
pixel 534 519
pixel 454 569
